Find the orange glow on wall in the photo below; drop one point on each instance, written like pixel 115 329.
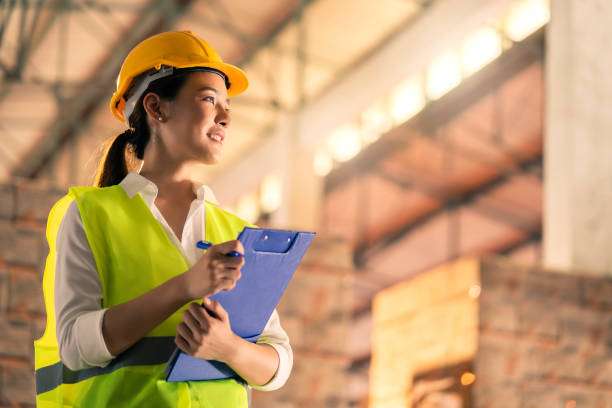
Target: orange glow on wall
pixel 467 378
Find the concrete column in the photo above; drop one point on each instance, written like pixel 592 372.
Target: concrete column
pixel 578 146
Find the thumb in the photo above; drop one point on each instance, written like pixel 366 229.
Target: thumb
pixel 216 308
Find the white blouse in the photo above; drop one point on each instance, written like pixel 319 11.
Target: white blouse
pixel 78 291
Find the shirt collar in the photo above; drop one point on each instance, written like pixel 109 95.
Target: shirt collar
pixel 134 183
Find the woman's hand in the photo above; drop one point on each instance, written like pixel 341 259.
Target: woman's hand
pixel 207 335
pixel 215 271
pixel 210 337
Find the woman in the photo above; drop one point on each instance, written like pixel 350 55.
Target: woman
pixel 120 286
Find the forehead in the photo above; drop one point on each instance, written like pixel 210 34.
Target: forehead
pixel 198 80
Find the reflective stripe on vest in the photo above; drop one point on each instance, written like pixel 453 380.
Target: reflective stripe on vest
pixel 133 254
pixel 148 351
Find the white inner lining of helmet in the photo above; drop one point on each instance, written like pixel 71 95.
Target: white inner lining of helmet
pixel 131 102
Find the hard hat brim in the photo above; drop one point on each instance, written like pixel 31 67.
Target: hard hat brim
pixel 238 79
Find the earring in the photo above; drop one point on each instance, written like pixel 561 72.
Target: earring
pixel 160 118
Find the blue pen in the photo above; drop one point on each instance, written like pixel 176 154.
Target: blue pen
pixel 206 245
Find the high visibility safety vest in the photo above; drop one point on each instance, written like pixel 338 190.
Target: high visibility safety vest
pixel 133 254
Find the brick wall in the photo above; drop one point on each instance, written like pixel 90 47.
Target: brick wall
pixel 545 339
pixel 315 313
pixel 24 207
pixel 533 338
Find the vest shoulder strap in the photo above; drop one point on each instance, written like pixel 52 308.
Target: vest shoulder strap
pixel 221 225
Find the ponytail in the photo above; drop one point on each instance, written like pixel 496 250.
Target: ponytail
pixel 113 166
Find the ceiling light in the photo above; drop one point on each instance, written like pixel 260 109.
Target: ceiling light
pixel 271 193
pixel 407 100
pixel 247 208
pixel 375 121
pixel 525 17
pixel 444 74
pixel 322 163
pixel 480 48
pixel 345 142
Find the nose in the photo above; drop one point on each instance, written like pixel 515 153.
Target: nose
pixel 223 117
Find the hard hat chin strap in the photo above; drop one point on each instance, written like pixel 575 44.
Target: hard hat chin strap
pixel 163 72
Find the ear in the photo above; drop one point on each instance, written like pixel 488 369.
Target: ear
pixel 155 107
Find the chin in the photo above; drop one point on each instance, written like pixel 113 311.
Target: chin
pixel 204 155
pixel 211 160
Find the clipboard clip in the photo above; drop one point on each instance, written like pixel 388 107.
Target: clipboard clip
pixel 271 241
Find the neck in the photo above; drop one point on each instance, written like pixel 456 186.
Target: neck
pixel 173 178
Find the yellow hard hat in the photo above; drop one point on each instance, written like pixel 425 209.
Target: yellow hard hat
pixel 165 52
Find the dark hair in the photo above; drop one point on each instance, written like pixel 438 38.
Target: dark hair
pixel 113 167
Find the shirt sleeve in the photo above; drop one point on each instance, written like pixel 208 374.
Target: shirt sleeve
pixel 78 297
pixel 274 335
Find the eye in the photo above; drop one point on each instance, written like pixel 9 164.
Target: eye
pixel 209 98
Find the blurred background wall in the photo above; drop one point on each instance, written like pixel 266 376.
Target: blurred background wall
pixel 452 155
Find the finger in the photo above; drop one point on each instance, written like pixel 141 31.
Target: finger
pixel 217 309
pixel 227 247
pixel 203 317
pixel 219 271
pixel 199 314
pixel 227 273
pixel 225 281
pixel 224 284
pixel 182 344
pixel 185 333
pixel 206 306
pixel 228 262
pixel 193 325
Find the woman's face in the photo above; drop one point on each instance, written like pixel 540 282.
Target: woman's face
pixel 195 124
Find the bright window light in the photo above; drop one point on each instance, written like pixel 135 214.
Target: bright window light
pixel 271 193
pixel 444 74
pixel 407 99
pixel 375 121
pixel 480 48
pixel 247 208
pixel 345 142
pixel 322 163
pixel 525 17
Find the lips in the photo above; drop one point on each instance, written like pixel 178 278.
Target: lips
pixel 216 136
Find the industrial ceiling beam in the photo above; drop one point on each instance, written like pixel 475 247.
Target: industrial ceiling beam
pixel 440 112
pixel 365 249
pixel 313 59
pixel 434 116
pixel 274 33
pixel 40 26
pixel 77 111
pixel 226 21
pixel 447 200
pixel 10 7
pixel 25 42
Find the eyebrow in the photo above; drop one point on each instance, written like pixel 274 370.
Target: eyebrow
pixel 208 88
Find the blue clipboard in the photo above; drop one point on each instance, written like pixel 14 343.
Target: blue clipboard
pixel 271 258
